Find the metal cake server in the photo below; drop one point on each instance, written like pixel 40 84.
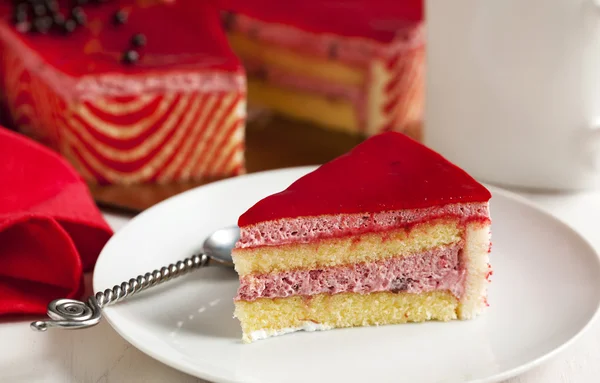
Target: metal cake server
pixel 74 314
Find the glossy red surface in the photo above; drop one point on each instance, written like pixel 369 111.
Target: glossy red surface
pixel 374 19
pixel 181 36
pixel 389 171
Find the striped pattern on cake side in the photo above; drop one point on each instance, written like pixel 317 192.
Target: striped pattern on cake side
pixel 396 90
pixel 30 103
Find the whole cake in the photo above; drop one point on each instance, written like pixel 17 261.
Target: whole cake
pixel 355 66
pixel 129 91
pixel 137 91
pixel 390 232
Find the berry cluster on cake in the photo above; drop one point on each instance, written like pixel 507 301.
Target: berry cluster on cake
pixel 389 233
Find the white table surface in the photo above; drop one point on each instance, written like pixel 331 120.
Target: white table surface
pixel 99 354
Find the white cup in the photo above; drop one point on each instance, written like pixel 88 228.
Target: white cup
pixel 513 90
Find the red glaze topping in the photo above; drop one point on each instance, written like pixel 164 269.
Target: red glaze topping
pixel 179 36
pixel 389 171
pixel 373 19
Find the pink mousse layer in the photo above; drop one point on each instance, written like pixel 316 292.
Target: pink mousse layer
pixel 309 229
pixel 435 269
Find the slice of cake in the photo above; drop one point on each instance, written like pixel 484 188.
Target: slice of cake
pixel 389 233
pixel 355 66
pixel 128 91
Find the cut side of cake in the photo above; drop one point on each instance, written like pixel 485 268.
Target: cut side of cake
pixel 356 67
pixel 137 91
pixel 388 233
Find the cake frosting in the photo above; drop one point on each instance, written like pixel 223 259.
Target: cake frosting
pixel 404 175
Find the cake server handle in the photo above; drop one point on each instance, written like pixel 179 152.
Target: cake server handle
pixel 74 314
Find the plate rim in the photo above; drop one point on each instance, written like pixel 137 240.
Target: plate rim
pixel 495 190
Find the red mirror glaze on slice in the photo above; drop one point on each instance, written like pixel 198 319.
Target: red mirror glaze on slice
pixel 389 171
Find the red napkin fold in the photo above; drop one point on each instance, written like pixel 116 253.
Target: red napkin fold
pixel 50 229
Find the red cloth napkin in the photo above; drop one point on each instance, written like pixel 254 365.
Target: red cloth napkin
pixel 50 229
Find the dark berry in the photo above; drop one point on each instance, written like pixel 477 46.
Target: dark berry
pixel 138 40
pixel 130 57
pixel 22 6
pixel 39 9
pixel 21 12
pixel 20 17
pixel 42 24
pixel 69 26
pixel 120 17
pixel 228 20
pixel 333 51
pixel 52 6
pixel 78 15
pixel 58 19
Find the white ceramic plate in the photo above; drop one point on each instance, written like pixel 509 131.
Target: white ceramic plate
pixel 544 293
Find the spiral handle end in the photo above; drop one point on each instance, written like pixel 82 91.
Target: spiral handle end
pixel 69 313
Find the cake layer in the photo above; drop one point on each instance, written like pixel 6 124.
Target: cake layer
pixel 337 114
pixel 366 247
pixel 435 269
pixel 308 229
pixel 294 62
pixel 269 317
pixel 388 172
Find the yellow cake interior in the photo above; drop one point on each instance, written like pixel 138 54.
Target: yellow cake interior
pixel 341 251
pixel 293 62
pixel 267 317
pixel 336 114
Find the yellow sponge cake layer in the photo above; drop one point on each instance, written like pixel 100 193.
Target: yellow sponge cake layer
pixel 268 317
pixel 338 114
pixel 367 247
pixel 294 62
